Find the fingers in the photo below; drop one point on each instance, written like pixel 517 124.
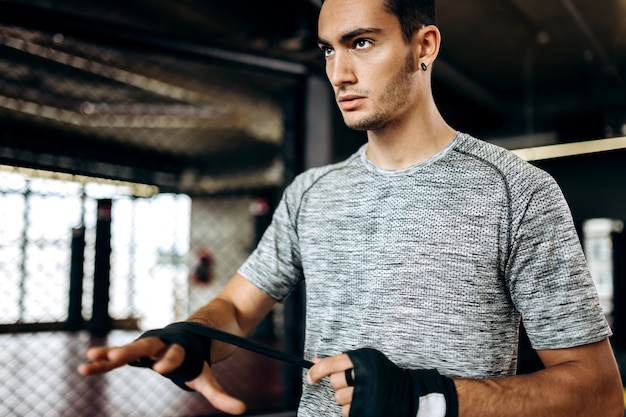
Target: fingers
pixel 171 359
pixel 149 347
pixel 207 385
pixel 102 359
pixel 105 359
pixel 167 358
pixel 98 367
pixel 338 380
pixel 333 367
pixel 339 370
pixel 343 396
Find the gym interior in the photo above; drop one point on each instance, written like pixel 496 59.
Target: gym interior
pixel 145 144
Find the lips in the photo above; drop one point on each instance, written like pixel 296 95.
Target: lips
pixel 350 101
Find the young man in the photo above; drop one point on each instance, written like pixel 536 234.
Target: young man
pixel 421 253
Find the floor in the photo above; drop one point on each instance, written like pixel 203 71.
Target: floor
pixel 39 379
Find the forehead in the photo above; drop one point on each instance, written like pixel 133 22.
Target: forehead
pixel 338 17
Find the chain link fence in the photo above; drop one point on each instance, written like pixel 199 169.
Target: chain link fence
pixel 149 239
pixel 182 158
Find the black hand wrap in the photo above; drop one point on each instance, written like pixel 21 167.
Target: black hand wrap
pixel 197 351
pixel 382 389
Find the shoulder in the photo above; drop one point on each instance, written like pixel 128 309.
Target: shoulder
pixel 517 174
pixel 327 173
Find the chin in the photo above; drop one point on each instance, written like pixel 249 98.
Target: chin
pixel 357 127
pixel 356 122
pixel 365 123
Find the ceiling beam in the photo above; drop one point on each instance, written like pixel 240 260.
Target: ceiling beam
pixel 53 19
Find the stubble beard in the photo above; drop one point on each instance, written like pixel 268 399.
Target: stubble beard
pixel 394 97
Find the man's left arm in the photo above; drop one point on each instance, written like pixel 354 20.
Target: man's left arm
pixel 581 381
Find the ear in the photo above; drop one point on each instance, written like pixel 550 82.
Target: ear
pixel 427 42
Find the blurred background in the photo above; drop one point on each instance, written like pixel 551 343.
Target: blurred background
pixel 145 144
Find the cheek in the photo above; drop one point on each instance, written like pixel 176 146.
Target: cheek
pixel 386 69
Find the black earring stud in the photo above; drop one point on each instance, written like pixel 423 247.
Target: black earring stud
pixel 424 67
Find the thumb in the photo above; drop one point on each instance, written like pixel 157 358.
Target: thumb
pixel 210 388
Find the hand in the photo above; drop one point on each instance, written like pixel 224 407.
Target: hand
pixel 167 358
pixel 335 367
pixel 381 388
pixel 105 359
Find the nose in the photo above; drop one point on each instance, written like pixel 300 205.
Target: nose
pixel 340 70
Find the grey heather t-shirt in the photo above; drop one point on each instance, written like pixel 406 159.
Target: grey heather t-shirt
pixel 433 265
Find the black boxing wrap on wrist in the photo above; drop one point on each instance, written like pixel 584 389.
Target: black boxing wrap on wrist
pixel 196 340
pixel 382 389
pixel 197 351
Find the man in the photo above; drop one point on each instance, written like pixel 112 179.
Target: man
pixel 421 253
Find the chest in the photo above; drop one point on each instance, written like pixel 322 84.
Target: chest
pixel 404 221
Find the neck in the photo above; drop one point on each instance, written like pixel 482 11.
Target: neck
pixel 401 145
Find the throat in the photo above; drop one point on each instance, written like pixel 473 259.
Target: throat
pixel 396 155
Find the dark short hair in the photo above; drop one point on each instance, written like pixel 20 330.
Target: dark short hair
pixel 412 14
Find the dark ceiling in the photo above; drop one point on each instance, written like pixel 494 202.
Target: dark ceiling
pixel 528 71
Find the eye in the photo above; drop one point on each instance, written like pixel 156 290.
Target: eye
pixel 362 44
pixel 326 50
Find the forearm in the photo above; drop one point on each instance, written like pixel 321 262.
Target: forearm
pixel 219 314
pixel 566 390
pixel 238 309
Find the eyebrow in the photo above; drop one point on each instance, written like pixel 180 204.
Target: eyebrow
pixel 351 35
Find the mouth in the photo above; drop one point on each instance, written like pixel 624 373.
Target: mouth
pixel 350 101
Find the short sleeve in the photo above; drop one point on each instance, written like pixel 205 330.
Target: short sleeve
pixel 547 274
pixel 274 266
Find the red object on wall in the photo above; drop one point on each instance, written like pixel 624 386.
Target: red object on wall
pixel 203 270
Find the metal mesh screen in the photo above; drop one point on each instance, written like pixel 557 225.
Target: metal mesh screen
pixel 182 146
pixel 147 252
